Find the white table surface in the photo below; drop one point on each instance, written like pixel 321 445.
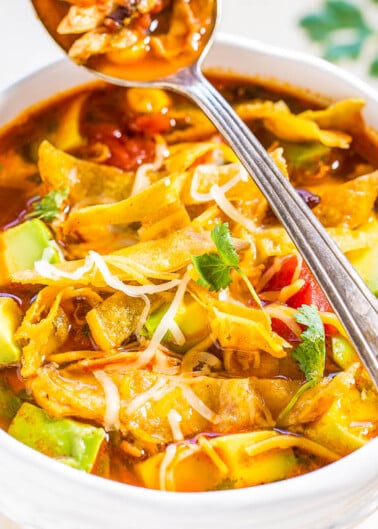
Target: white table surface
pixel 25 47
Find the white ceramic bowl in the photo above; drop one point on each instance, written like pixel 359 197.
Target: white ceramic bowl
pixel 39 493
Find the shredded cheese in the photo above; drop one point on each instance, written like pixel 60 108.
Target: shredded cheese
pixel 165 364
pixel 156 392
pixel 172 458
pixel 270 272
pixel 177 334
pixel 112 401
pixel 218 195
pixel 298 268
pixel 137 270
pixel 286 315
pixel 174 419
pixel 210 169
pixel 210 451
pixel 284 441
pixel 290 290
pixel 95 260
pixel 330 318
pixel 147 355
pixel 168 458
pixel 142 181
pixel 198 405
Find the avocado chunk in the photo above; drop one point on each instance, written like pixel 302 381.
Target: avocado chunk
pixel 9 404
pixel 366 264
pixel 10 317
pixel 347 425
pixel 25 244
pixel 306 155
pixel 231 468
pixel 190 317
pixel 343 352
pixel 66 440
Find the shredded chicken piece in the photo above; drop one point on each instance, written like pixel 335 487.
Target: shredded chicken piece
pixel 219 405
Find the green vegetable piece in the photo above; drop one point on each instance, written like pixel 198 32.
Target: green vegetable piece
pixel 153 321
pixel 343 352
pixel 50 206
pixel 310 353
pixel 344 427
pixel 365 262
pixel 306 155
pixel 66 440
pixel 9 404
pixel 190 317
pixel 25 244
pixel 10 317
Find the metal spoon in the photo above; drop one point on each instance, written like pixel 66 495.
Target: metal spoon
pixel 351 300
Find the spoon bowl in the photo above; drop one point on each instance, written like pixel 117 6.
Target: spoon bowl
pixel 351 300
pixel 132 47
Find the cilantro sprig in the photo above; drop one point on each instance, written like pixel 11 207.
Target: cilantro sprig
pixel 49 207
pixel 342 29
pixel 215 269
pixel 310 353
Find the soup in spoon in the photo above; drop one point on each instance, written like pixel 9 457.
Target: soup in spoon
pixel 130 39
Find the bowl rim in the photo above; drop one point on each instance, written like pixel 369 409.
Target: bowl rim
pixel 299 57
pixel 321 481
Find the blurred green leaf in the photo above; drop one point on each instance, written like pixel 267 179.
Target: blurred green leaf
pixel 373 70
pixel 340 27
pixel 335 52
pixel 335 15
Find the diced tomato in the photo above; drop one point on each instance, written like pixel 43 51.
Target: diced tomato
pixel 283 330
pixel 284 276
pixel 126 152
pixel 152 123
pixel 99 130
pixel 309 294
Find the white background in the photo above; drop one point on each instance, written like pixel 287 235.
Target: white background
pixel 25 47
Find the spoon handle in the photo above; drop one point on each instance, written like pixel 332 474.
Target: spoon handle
pixel 352 301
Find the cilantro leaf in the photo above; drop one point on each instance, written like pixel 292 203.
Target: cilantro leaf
pixel 310 353
pixel 48 208
pixel 221 236
pixel 214 269
pixel 214 273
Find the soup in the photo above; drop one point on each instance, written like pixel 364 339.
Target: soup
pixel 158 326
